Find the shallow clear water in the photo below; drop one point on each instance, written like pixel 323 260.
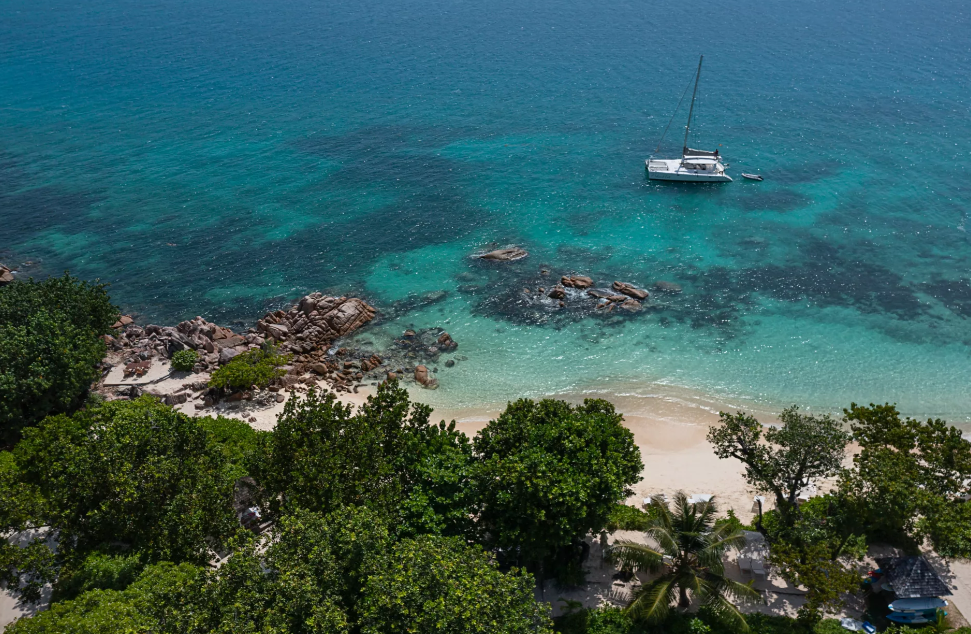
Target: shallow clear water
pixel 221 158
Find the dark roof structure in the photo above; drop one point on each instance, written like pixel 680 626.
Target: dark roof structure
pixel 912 577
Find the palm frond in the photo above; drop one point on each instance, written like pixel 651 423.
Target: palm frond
pixel 653 601
pixel 635 556
pixel 721 585
pixel 664 538
pixel 726 611
pixel 722 542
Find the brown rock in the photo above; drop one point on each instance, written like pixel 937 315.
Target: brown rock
pixel 234 397
pixel 175 399
pixel 631 305
pixel 280 397
pixel 504 255
pixel 278 331
pixel 349 315
pixel 421 374
pixel 5 275
pixel 446 343
pixel 576 281
pixel 557 292
pixel 319 368
pixel 392 376
pixel 630 290
pixel 123 321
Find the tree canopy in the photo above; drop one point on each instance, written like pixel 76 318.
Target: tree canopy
pixel 802 449
pixel 346 573
pixel 50 345
pixel 147 605
pixel 132 476
pixel 547 473
pixel 386 456
pixel 908 477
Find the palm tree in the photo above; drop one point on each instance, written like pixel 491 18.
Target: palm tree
pixel 690 550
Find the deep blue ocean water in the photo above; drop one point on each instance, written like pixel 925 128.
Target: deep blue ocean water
pixel 221 158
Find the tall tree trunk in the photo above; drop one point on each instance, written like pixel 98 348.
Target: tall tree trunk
pixel 684 603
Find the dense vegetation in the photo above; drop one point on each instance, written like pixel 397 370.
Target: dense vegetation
pixel 384 522
pixel 50 347
pixel 375 515
pixel 905 486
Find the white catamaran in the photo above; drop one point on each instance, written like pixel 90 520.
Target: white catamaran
pixel 694 165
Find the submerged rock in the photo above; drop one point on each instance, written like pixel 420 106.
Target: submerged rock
pixel 667 287
pixel 504 255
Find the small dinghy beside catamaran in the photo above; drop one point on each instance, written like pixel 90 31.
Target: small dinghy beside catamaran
pixel 694 165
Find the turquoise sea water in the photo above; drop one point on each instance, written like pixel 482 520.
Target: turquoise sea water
pixel 221 158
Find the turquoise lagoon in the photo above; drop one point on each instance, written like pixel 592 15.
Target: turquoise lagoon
pixel 222 158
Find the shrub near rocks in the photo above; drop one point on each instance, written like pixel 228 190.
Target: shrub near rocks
pixel 257 367
pixel 184 360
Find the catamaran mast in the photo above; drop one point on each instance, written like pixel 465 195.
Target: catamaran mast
pixel 692 108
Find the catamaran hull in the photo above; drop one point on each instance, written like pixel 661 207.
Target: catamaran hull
pixel 676 173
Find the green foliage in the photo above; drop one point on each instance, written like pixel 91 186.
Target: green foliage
pixel 128 475
pixel 344 573
pixel 434 584
pixel 733 522
pixel 802 449
pixel 437 472
pixel 948 526
pixel 184 360
pixel 98 572
pixel 548 473
pixel 307 579
pixel 907 470
pixel 26 562
pixel 627 518
pixel 145 606
pixel 242 447
pixel 50 344
pixel 695 547
pixel 387 456
pixel 259 367
pixel 816 568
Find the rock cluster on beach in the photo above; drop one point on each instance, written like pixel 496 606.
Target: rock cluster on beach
pixel 307 331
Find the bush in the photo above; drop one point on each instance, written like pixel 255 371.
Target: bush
pixel 257 367
pixel 50 345
pixel 184 360
pixel 602 620
pixel 98 572
pixel 627 518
